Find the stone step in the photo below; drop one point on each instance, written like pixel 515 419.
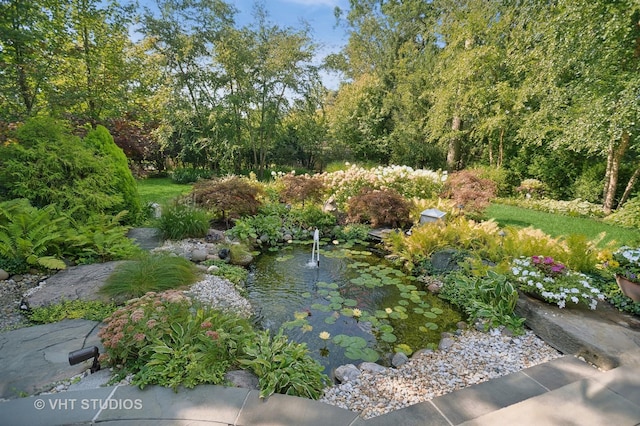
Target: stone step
pixel 611 397
pixel 484 398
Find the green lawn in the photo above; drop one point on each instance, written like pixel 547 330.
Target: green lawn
pixel 160 190
pixel 557 225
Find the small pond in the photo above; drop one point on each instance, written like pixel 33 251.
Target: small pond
pixel 369 307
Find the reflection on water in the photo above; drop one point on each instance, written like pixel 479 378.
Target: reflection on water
pixel 286 290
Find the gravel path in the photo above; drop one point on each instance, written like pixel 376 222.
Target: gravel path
pixel 474 357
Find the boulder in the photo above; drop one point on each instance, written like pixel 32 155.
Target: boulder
pixel 347 372
pixel 78 282
pixel 372 367
pixel 4 275
pixel 198 255
pixel 400 358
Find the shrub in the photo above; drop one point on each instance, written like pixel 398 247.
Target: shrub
pixel 92 310
pixel 301 188
pixel 154 272
pixel 235 274
pixel 162 339
pixel 184 175
pixel 379 208
pixel 628 215
pixel 469 191
pixel 531 188
pixel 115 162
pixel 48 165
pixel 310 217
pixel 179 221
pixel 284 367
pixel 232 196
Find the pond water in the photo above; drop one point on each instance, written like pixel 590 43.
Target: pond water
pixel 368 307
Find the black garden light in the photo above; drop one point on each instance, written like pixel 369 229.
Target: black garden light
pixel 76 357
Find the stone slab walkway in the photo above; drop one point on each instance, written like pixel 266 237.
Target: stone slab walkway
pixel 32 358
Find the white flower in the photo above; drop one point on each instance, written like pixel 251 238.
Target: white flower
pixel 574 299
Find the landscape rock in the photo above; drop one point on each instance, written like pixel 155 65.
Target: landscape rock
pixel 399 359
pixel 3 275
pixel 419 353
pixel 78 282
pixel 445 343
pixel 42 356
pixel 198 255
pixel 244 259
pixel 242 379
pixel 347 372
pixel 215 236
pixel 372 367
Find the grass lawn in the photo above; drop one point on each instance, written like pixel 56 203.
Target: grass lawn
pixel 558 225
pixel 160 190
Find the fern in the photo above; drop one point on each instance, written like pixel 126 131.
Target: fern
pixel 29 235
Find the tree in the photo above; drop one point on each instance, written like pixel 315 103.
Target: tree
pixel 264 66
pixel 31 46
pixel 583 83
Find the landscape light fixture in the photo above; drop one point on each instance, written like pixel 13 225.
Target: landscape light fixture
pixel 76 357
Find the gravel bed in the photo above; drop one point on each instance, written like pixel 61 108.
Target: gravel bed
pixel 474 357
pixel 12 293
pixel 222 294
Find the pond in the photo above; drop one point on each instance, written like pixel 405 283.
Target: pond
pixel 354 307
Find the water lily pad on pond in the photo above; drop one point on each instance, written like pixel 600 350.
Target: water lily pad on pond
pixel 389 337
pixel 284 258
pixel 350 302
pixel 366 354
pixel 320 307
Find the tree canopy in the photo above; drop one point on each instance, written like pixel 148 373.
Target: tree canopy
pixel 539 89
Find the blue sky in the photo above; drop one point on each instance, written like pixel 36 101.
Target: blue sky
pixel 319 14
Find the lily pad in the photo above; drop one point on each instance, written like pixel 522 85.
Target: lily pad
pixel 350 302
pixel 389 337
pixel 320 307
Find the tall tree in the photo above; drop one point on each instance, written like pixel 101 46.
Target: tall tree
pixel 583 82
pixel 265 66
pixel 31 48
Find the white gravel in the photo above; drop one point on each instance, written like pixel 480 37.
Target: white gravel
pixel 473 358
pixel 221 294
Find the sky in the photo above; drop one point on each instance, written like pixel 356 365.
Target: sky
pixel 319 14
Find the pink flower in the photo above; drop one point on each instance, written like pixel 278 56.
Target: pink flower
pixel 137 315
pixel 138 337
pixel 213 334
pixel 206 324
pixel 151 323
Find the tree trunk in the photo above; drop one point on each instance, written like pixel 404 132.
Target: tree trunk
pixel 453 152
pixel 629 188
pixel 613 167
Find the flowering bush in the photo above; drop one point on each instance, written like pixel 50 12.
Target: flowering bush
pixel 405 180
pixel 161 339
pixel 554 282
pixel 625 262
